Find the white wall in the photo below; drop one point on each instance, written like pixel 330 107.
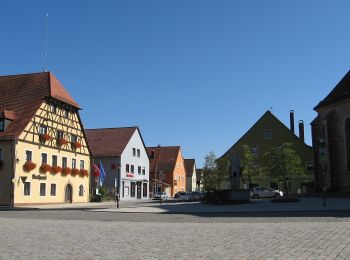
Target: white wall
pixel 128 158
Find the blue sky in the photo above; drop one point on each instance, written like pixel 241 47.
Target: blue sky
pixel 191 73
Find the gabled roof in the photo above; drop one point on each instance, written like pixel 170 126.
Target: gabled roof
pixel 189 165
pixel 277 122
pixel 164 158
pixel 339 93
pixel 23 94
pixel 109 141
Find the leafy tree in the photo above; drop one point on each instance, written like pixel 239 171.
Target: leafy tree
pixel 282 163
pixel 222 170
pixel 215 171
pixel 249 165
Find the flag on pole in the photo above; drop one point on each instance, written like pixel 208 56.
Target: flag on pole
pixel 102 174
pixel 95 170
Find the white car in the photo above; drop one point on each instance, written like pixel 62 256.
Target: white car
pixel 185 196
pixel 160 196
pixel 263 192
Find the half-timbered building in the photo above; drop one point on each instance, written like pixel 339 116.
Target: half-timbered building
pixel 44 156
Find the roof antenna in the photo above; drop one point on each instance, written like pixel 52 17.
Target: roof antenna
pixel 271 109
pixel 45 45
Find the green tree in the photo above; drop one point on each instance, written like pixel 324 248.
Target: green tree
pixel 215 171
pixel 249 165
pixel 282 163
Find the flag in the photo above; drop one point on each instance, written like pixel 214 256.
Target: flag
pixel 95 170
pixel 102 174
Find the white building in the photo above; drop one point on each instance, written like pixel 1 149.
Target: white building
pixel 123 155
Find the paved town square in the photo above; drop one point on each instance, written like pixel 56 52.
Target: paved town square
pixel 105 232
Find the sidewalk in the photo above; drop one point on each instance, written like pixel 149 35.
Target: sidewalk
pixel 255 206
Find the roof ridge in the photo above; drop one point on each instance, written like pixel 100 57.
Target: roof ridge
pixel 111 128
pixel 24 74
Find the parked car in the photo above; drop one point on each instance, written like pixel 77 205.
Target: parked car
pixel 263 192
pixel 160 196
pixel 196 195
pixel 185 196
pixel 177 195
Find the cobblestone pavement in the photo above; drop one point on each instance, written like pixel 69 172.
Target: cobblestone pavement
pixel 85 234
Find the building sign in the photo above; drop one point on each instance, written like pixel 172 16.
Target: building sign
pixel 39 177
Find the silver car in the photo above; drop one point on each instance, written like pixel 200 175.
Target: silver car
pixel 263 192
pixel 160 196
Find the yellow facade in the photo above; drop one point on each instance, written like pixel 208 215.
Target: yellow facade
pixel 56 118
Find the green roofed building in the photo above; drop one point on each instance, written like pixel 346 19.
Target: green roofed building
pixel 266 133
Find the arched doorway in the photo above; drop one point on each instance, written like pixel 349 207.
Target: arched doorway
pixel 68 194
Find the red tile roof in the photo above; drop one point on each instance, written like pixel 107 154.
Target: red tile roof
pixel 164 158
pixel 23 94
pixel 109 141
pixel 189 164
pixel 6 114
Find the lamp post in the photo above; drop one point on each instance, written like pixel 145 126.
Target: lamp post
pixel 117 186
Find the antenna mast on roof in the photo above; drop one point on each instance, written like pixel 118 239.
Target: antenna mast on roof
pixel 45 44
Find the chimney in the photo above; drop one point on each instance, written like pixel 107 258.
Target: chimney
pixel 291 117
pixel 301 130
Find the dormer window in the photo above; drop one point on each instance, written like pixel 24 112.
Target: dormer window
pixel 2 125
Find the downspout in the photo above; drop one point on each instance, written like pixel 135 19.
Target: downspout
pixel 12 192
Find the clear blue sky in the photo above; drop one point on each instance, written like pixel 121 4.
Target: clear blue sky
pixel 191 73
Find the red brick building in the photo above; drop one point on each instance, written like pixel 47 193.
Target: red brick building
pixel 167 170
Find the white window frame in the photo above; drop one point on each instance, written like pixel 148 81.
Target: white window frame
pixel 24 188
pixel 42 158
pixel 54 156
pixel 74 163
pixel 28 152
pixel 53 195
pixel 40 189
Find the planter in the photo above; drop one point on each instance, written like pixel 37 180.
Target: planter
pixel 84 173
pixel 62 141
pixel 44 138
pixel 75 172
pixel 45 168
pixel 66 171
pixel 28 166
pixel 75 145
pixel 56 169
